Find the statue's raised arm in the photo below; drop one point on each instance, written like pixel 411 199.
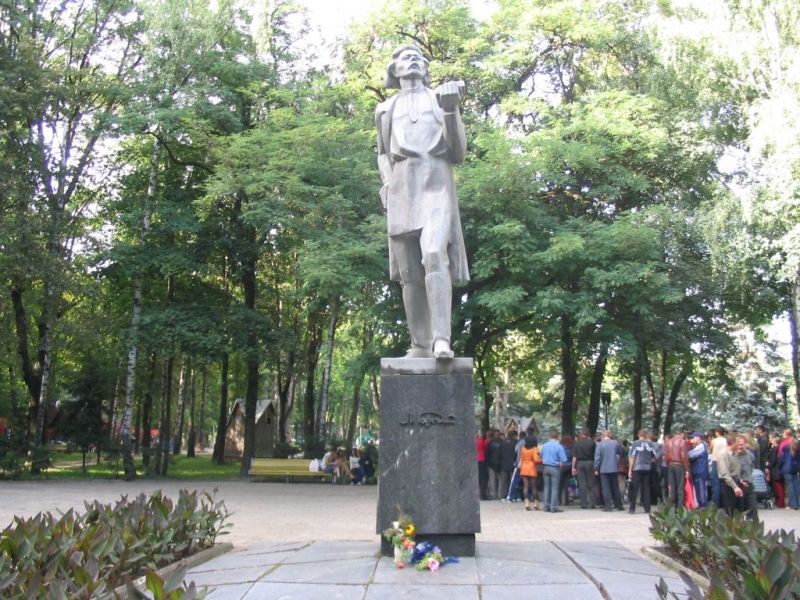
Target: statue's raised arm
pixel 420 137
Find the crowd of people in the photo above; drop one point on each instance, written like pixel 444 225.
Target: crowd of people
pixel 734 471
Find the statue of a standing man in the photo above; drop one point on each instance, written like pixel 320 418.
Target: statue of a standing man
pixel 420 138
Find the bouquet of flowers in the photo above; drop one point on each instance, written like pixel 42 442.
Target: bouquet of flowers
pixel 401 535
pixel 423 555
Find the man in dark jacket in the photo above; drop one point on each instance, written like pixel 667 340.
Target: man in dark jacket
pixel 677 457
pixel 698 456
pixel 583 468
pixel 508 456
pixel 641 456
pixel 606 466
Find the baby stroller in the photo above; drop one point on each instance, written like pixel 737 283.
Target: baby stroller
pixel 762 489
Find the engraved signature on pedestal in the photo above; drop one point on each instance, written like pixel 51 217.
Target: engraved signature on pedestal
pixel 428 418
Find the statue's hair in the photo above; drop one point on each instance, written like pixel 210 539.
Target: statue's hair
pixel 392 82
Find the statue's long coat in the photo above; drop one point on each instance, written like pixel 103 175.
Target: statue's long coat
pixel 421 192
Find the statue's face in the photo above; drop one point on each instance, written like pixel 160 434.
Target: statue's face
pixel 410 65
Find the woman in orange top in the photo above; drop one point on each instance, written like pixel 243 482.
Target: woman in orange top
pixel 528 459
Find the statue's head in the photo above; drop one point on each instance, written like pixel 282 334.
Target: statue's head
pixel 407 61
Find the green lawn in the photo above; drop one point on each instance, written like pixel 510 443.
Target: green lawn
pixel 67 466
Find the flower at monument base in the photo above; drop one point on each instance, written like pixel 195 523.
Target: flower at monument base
pixel 410 530
pixel 433 564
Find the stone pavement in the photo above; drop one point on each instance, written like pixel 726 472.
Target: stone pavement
pixel 499 571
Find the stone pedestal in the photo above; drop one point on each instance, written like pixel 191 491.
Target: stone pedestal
pixel 427 464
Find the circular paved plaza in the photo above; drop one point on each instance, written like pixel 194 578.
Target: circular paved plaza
pixel 301 512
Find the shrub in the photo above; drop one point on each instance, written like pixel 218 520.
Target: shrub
pixel 89 555
pixel 738 557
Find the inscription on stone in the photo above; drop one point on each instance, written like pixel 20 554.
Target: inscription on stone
pixel 426 419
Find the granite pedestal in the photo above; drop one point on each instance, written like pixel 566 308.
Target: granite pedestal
pixel 427 465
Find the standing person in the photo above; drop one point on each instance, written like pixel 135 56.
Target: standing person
pixel 420 137
pixel 698 457
pixel 483 469
pixel 735 469
pixel 493 462
pixel 606 466
pixel 655 471
pixel 553 458
pixel 508 456
pixel 529 458
pixel 762 439
pixel 718 446
pixel 583 468
pixel 788 465
pixel 677 468
pixel 640 459
pixel 774 472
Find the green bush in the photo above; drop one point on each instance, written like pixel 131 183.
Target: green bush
pixel 89 555
pixel 738 557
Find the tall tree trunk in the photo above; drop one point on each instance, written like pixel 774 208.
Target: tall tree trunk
pixel 112 434
pixel 137 425
pixel 46 354
pixel 252 359
pixel 312 357
pixel 30 374
pixel 203 400
pixel 569 372
pixel 376 392
pixel 165 427
pixel 286 398
pixel 353 420
pixel 673 395
pixel 136 315
pixel 190 439
pixel 598 373
pixel 637 397
pixel 322 407
pixel 183 386
pixel 147 417
pixel 488 398
pixel 222 424
pixel 794 324
pixel 655 406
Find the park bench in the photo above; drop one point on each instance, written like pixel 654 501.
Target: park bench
pixel 287 468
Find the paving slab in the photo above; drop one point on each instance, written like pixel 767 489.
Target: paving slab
pixel 353 571
pixel 300 591
pixel 240 560
pixel 597 548
pixel 492 571
pixel 633 586
pixel 542 553
pixel 382 591
pixel 270 547
pixel 212 578
pixel 333 551
pixel 580 591
pixel 463 572
pixel 229 592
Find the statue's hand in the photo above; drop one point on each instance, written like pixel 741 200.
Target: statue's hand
pixel 450 95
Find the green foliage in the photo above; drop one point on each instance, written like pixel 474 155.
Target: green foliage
pixel 91 554
pixel 738 557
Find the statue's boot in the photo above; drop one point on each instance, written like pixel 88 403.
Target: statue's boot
pixel 440 297
pixel 419 321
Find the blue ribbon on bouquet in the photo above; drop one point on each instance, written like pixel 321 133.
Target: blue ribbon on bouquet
pixel 423 548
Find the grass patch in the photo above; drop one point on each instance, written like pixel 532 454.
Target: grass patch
pixel 198 468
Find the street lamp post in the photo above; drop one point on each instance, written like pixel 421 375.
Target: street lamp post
pixel 605 399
